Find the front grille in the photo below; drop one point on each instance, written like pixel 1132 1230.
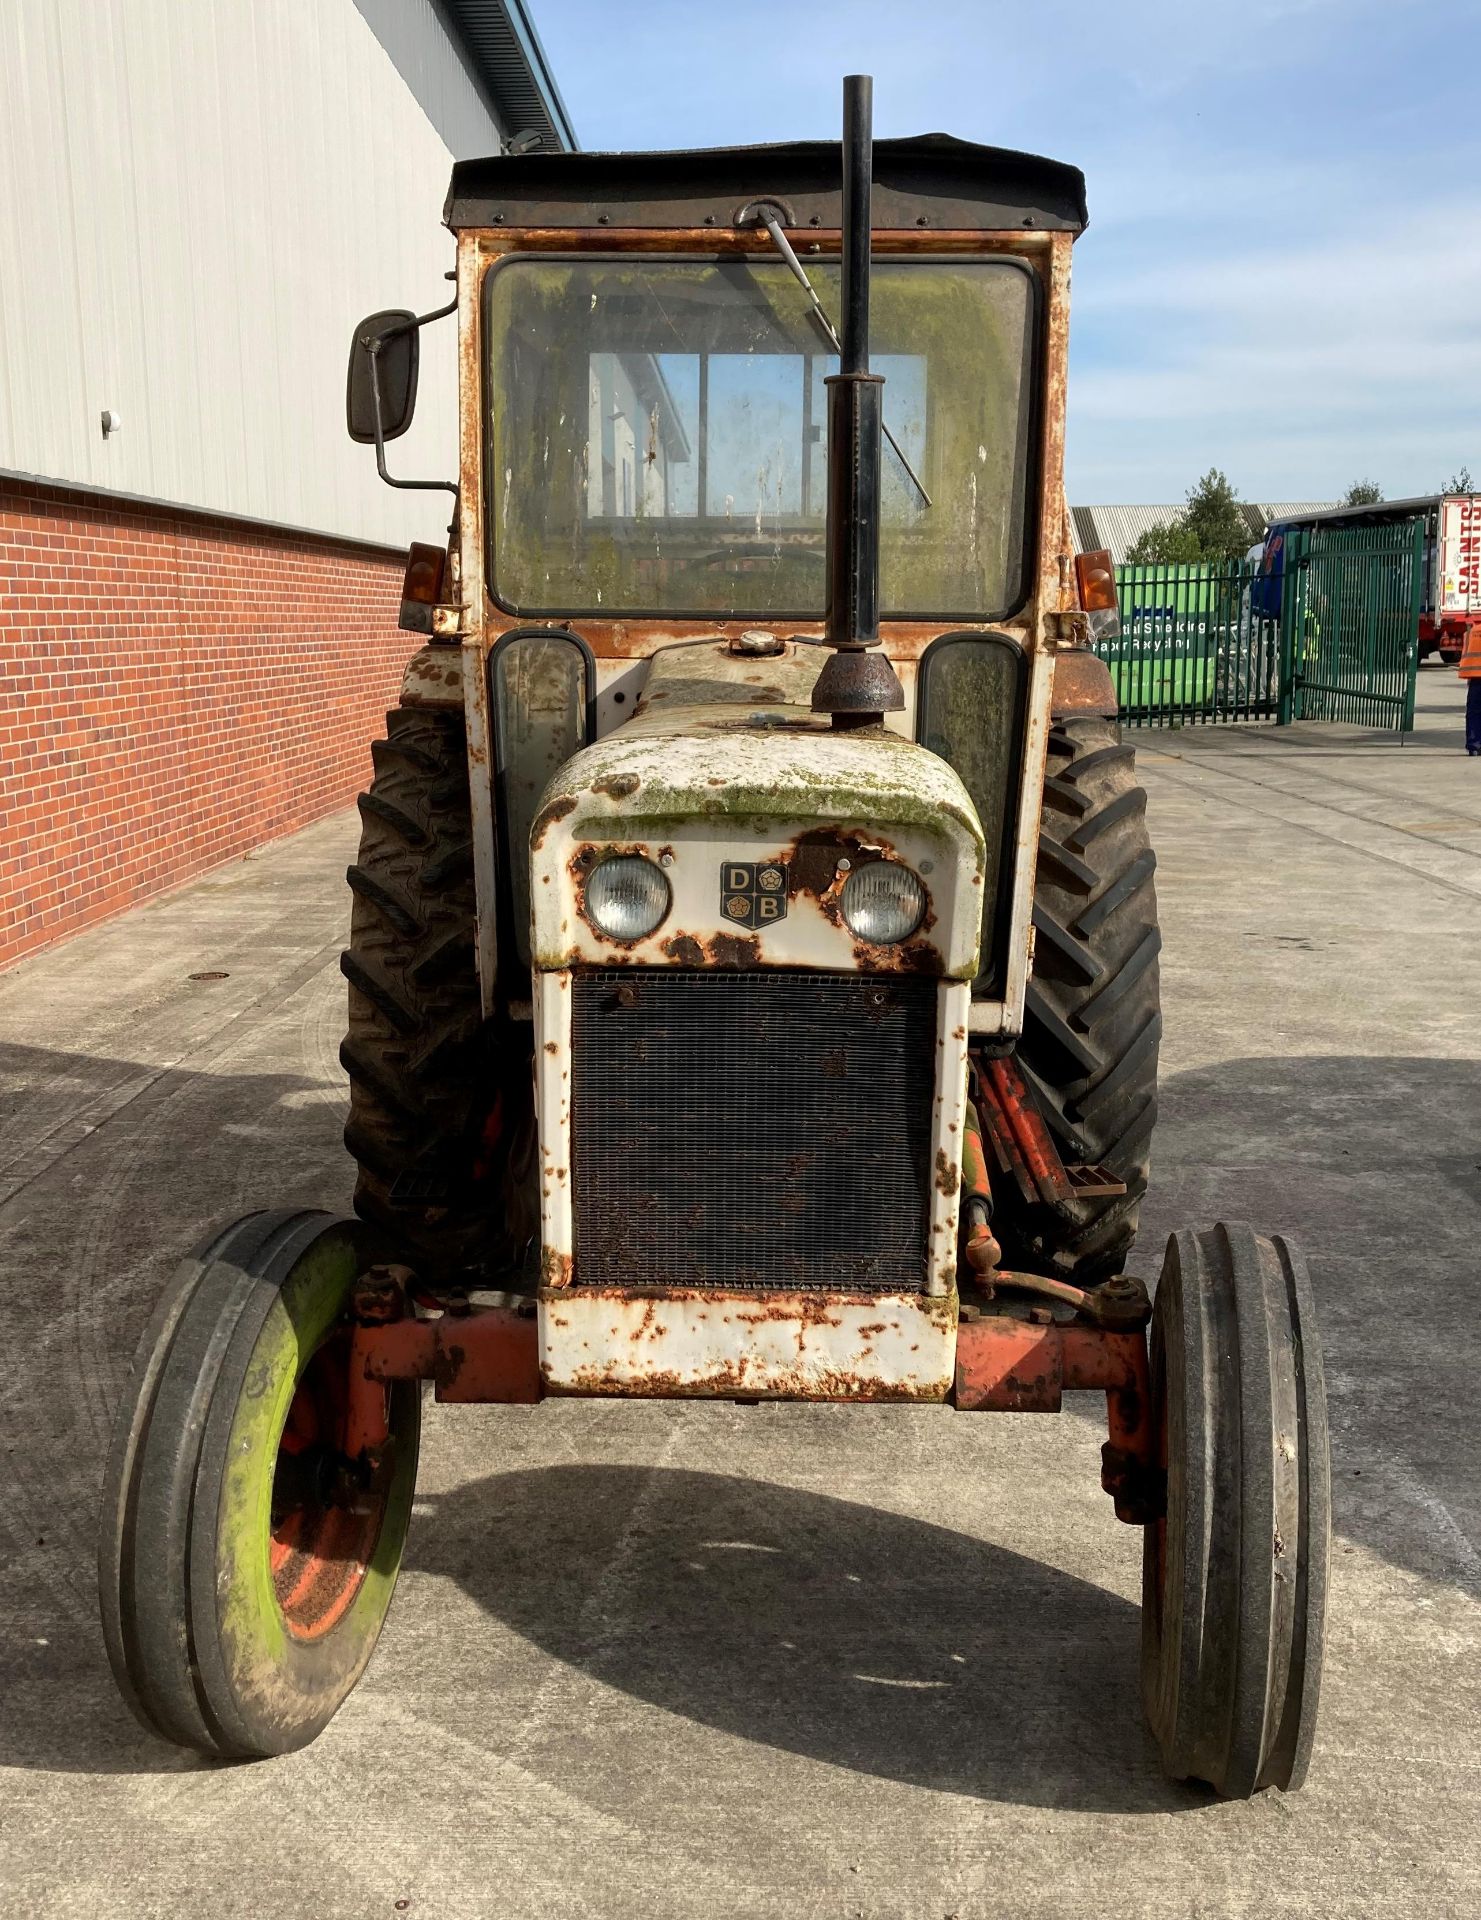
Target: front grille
pixel 742 1130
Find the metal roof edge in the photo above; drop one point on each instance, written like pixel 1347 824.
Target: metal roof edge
pixel 1405 509
pixel 497 36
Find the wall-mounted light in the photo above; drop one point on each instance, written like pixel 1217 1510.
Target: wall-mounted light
pixel 112 422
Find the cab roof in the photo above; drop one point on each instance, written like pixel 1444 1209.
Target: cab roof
pixel 932 180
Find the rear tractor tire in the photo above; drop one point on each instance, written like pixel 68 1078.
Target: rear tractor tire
pixel 441 1107
pixel 1092 1016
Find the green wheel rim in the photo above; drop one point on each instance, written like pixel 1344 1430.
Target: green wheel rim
pixel 279 1652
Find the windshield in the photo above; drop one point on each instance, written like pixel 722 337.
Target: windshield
pixel 657 436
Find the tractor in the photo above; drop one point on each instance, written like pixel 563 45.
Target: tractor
pixel 753 980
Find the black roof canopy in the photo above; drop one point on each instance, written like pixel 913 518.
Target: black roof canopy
pixel 931 180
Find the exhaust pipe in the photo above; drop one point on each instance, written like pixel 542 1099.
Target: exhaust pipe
pixel 857 687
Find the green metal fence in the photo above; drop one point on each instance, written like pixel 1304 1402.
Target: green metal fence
pixel 1191 650
pixel 1350 624
pixel 1194 650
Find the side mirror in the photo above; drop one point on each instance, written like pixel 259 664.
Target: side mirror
pixel 383 361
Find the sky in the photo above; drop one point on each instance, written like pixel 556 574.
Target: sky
pixel 1282 274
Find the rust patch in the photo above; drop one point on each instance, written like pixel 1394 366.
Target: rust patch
pixel 433 677
pixel 550 1047
pixel 556 1269
pixel 488 1354
pixel 948 1174
pixel 734 1381
pixel 618 786
pixel 733 950
pixel 579 868
pixel 684 950
pixel 447 1364
pixel 813 859
pixel 1082 684
pixel 549 816
pixel 907 956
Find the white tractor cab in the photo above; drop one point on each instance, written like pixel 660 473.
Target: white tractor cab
pixel 753 970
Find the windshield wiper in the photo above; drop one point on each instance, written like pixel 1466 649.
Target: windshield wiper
pixel 766 213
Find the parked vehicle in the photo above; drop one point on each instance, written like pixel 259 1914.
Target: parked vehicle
pixel 753 970
pixel 1451 591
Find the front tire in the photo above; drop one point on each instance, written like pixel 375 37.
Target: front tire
pixel 245 1566
pixel 1234 1578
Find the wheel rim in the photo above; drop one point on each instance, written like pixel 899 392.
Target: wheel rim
pixel 327 1512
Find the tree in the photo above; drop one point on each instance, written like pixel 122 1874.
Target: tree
pixel 1214 516
pixel 1363 493
pixel 1213 526
pixel 1459 482
pixel 1168 543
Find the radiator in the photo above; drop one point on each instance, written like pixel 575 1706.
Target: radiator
pixel 751 1130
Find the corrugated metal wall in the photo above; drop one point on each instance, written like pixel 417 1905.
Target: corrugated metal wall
pixel 1119 528
pixel 415 35
pixel 197 202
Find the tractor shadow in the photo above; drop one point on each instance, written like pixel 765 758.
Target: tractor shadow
pixel 865 1639
pixel 1373 1167
pixel 1374 1164
pixel 89 1236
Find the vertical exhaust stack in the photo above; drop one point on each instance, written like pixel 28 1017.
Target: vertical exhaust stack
pixel 856 687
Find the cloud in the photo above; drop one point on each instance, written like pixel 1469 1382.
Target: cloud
pixel 1294 365
pixel 1282 271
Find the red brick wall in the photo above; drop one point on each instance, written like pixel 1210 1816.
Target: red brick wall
pixel 174 690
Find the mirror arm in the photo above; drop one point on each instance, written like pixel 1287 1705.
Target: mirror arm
pixel 373 348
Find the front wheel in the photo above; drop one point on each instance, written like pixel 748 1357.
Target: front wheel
pixel 246 1564
pixel 1234 1578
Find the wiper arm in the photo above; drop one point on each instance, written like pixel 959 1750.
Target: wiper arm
pixel 763 211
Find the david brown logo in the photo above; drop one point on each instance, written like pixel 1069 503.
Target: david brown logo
pixel 753 893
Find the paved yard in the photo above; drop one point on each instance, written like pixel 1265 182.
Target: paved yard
pixel 666 1660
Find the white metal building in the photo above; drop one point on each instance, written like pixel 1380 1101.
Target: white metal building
pixel 198 590
pixel 199 199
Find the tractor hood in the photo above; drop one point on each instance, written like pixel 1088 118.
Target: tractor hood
pixel 757 812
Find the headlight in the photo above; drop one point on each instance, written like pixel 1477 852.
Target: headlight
pixel 627 896
pixel 883 902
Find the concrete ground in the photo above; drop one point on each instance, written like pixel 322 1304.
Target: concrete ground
pixel 668 1660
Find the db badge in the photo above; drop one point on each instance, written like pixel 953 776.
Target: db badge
pixel 753 893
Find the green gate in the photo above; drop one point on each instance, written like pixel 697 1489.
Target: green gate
pixel 1350 624
pixel 1195 648
pixel 1191 648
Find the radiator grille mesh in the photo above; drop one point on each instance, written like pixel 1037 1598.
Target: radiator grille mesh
pixel 741 1130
